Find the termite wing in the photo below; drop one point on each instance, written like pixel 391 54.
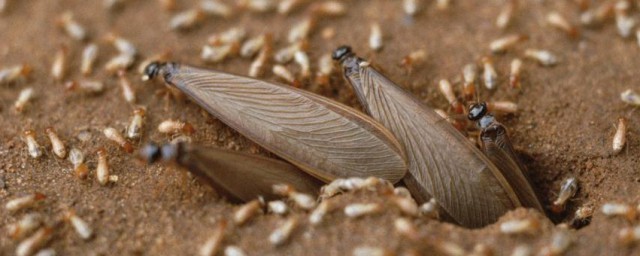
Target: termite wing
pixel 497 147
pixel 320 136
pixel 442 162
pixel 239 177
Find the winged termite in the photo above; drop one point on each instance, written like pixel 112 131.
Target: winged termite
pixel 442 162
pixel 322 137
pixel 235 175
pixel 498 148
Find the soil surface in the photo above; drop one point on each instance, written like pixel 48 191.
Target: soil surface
pixel 564 125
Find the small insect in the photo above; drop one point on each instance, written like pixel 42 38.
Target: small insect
pixel 317 215
pixel 555 19
pixel 23 99
pixel 253 45
pixel 506 14
pixel 134 130
pixel 120 62
pixel 325 69
pixel 489 73
pixel 278 207
pixel 257 66
pixel 366 250
pixel 124 46
pixel 629 235
pixel 502 44
pixel 351 184
pixel 624 21
pixel 257 5
pixel 302 200
pixel 469 75
pixel 213 244
pixel 410 7
pixel 213 54
pixel 286 54
pixel 520 226
pixel 103 169
pixel 23 202
pixel 114 135
pixel 233 250
pixel 302 59
pixel 375 38
pixel 76 157
pixel 79 225
pixel 405 228
pixel 231 36
pixel 357 210
pixel 88 86
pixel 187 19
pixel 630 97
pixel 32 244
pixel 89 57
pixel 515 74
pixel 377 151
pixel 286 6
pixel 281 234
pixel 128 92
pixel 328 8
pixel 560 241
pixel 447 90
pixel 57 146
pixel 237 176
pixel 620 138
pixel 422 133
pixel 406 205
pixel 507 107
pixel 25 226
pixel 414 58
pixel 568 189
pixel 33 147
pixel 14 74
pixel 301 30
pixel 617 209
pixel 582 217
pixel 59 67
pixel 215 7
pixel 175 126
pixel 543 57
pixel 72 27
pixel 597 16
pixel 246 212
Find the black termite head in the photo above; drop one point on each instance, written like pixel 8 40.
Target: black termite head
pixel 152 70
pixel 152 152
pixel 477 111
pixel 342 53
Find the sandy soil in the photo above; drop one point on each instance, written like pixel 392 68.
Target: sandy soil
pixel 564 126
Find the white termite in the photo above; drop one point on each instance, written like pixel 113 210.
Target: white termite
pixel 89 57
pixel 375 38
pixel 213 244
pixel 81 227
pixel 128 93
pixel 521 226
pixel 213 54
pixel 489 74
pixel 278 207
pixel 620 137
pixel 57 146
pixel 543 57
pixel 231 36
pixel 186 20
pixel 33 148
pixel 630 97
pixel 103 169
pixel 257 65
pixel 356 210
pixel 59 66
pixel 233 250
pixel 23 202
pixel 253 45
pixel 317 215
pixel 515 73
pixel 246 212
pixel 284 73
pixel 301 30
pixel 114 135
pixel 618 209
pixel 135 128
pixel 302 59
pixel 24 97
pixel 33 243
pixel 25 226
pixel 175 126
pixel 282 233
pixel 216 8
pixel 502 44
pixel 14 74
pixel 72 27
pixel 76 157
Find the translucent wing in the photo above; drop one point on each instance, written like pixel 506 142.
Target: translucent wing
pixel 322 137
pixel 498 148
pixel 441 161
pixel 241 176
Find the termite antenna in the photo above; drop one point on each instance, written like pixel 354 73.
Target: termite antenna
pixel 477 111
pixel 152 70
pixel 342 52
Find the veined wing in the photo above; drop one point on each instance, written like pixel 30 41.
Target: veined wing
pixel 441 160
pixel 244 176
pixel 498 148
pixel 320 136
